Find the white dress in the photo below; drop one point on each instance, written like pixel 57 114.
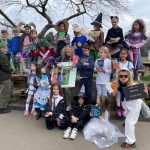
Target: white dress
pixel 43 93
pixel 102 132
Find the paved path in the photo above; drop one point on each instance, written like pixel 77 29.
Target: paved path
pixel 19 133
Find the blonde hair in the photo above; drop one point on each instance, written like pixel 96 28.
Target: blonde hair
pixel 105 50
pixel 63 52
pixel 129 82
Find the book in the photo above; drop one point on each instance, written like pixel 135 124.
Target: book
pixel 100 63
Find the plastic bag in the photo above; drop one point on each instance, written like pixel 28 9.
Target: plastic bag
pixel 101 132
pixel 145 111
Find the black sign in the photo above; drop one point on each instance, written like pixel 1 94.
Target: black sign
pixel 134 92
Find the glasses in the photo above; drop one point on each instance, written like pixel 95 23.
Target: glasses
pixel 125 76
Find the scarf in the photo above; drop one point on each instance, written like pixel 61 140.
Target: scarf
pixel 120 89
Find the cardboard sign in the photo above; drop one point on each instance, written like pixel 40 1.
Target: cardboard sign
pixel 134 92
pixel 100 63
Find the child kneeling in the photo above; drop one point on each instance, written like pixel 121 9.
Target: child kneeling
pixel 78 116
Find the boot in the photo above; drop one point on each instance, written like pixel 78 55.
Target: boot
pixel 39 113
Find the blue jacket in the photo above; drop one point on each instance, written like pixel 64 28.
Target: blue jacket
pixel 86 71
pixel 8 44
pixel 77 42
pixel 15 44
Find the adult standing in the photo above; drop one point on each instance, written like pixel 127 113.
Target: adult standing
pixel 5 80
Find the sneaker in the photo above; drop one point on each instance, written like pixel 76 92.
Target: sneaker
pixel 26 113
pixel 34 113
pixel 118 113
pixel 73 134
pixel 126 145
pixel 67 133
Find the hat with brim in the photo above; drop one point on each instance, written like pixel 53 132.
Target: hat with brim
pixel 65 22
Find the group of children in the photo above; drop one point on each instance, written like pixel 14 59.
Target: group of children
pixel 116 59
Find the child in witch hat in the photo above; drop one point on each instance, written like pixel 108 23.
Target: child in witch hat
pixel 78 116
pixel 96 36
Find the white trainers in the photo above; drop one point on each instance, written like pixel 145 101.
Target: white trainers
pixel 73 134
pixel 67 133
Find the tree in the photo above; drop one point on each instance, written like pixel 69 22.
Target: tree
pixel 68 9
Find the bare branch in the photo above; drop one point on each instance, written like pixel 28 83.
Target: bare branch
pixel 6 25
pixel 7 18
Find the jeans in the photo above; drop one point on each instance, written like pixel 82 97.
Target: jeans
pixel 87 82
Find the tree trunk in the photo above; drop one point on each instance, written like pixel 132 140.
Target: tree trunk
pixel 7 18
pixel 44 30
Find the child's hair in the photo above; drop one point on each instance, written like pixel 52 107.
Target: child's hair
pixel 35 64
pixel 142 28
pixel 33 30
pixel 105 50
pixel 60 92
pixel 86 46
pixel 103 104
pixel 4 31
pixel 129 82
pixel 116 17
pixel 64 51
pixel 38 70
pixel 128 56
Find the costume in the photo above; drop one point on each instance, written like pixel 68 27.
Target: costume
pixel 77 43
pixel 138 40
pixel 115 47
pixel 43 92
pixel 96 37
pixel 102 78
pixel 61 39
pixel 58 113
pixel 102 132
pixel 31 90
pixel 132 111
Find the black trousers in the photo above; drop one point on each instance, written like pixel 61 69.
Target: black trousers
pixel 51 123
pixel 84 118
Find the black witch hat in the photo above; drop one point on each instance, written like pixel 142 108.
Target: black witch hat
pixel 98 20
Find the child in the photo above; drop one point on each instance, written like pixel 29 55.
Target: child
pixel 99 130
pixel 135 39
pixel 15 47
pixel 54 109
pixel 103 68
pixel 5 40
pixel 132 108
pixel 97 37
pixel 33 44
pixel 77 119
pixel 114 38
pixel 62 38
pixel 45 53
pixel 43 91
pixel 86 66
pixel 78 40
pixel 31 90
